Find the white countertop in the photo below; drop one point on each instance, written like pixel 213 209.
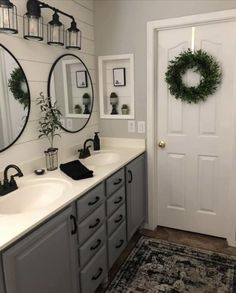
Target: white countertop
pixel 12 227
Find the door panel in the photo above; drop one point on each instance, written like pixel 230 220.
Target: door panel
pixel 194 167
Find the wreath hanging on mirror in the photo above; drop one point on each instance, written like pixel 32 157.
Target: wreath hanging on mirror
pixel 17 85
pixel 200 62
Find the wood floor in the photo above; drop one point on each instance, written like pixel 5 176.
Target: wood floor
pixel 187 238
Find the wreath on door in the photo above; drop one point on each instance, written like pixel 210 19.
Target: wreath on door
pixel 18 87
pixel 200 62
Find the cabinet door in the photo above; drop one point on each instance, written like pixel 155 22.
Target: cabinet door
pixel 2 290
pixel 46 261
pixel 136 194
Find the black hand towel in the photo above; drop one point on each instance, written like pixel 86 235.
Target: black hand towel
pixel 76 170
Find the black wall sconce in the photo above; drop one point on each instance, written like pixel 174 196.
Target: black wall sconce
pixel 8 17
pixel 33 25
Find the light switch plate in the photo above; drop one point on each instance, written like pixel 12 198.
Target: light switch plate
pixel 141 127
pixel 131 126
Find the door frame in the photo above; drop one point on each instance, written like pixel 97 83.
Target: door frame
pixel 152 30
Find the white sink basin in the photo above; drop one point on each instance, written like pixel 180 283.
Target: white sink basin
pixel 102 158
pixel 33 196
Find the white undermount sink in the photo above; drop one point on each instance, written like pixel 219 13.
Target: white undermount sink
pixel 34 195
pixel 102 158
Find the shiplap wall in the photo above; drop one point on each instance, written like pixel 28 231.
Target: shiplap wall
pixel 36 59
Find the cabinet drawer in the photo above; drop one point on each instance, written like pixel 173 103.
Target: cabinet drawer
pixel 116 200
pixel 116 244
pixel 90 201
pixel 94 273
pixel 90 225
pixel 91 246
pixel 116 219
pixel 115 181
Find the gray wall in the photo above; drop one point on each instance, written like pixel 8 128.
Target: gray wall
pixel 120 27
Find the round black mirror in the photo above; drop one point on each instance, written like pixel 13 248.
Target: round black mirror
pixel 14 99
pixel 70 86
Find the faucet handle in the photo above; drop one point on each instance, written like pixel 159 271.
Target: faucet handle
pixel 12 181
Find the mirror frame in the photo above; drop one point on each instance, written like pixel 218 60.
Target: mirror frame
pixel 49 82
pixel 29 107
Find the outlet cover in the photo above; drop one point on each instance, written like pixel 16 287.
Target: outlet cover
pixel 69 124
pixel 131 126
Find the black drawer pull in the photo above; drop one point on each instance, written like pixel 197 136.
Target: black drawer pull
pixel 99 241
pixel 91 203
pixel 130 176
pixel 118 200
pixel 119 219
pixel 96 224
pixel 74 230
pixel 121 243
pixel 118 181
pixel 100 270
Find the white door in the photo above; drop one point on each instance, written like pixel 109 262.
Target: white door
pixel 195 165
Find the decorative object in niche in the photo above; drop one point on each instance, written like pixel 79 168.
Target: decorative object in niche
pixel 200 62
pixel 49 125
pixel 86 103
pixel 119 77
pixel 33 26
pixel 62 88
pixel 14 99
pixel 78 109
pixel 110 69
pixel 17 86
pixel 114 102
pixel 81 79
pixel 8 17
pixel 125 109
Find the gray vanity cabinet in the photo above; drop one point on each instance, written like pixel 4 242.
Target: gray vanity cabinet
pixel 135 194
pixel 46 261
pixel 2 290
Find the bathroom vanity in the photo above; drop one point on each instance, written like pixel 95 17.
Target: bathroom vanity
pixel 74 246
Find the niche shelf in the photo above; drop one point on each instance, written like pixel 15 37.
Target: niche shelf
pixel 108 84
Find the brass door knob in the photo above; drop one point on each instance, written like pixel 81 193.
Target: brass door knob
pixel 161 144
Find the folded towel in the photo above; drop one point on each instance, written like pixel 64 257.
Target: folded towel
pixel 76 170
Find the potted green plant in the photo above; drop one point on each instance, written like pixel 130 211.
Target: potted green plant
pixel 114 103
pixel 49 126
pixel 78 109
pixel 125 109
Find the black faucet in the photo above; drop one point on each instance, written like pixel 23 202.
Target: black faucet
pixel 9 185
pixel 85 152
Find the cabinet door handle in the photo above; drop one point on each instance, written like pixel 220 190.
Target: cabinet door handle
pixel 118 200
pixel 74 230
pixel 99 241
pixel 96 224
pixel 120 244
pixel 100 270
pixel 119 219
pixel 130 176
pixel 118 181
pixel 91 203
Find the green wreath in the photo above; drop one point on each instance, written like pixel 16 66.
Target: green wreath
pixel 15 84
pixel 200 62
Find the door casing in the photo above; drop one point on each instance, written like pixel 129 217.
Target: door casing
pixel 152 31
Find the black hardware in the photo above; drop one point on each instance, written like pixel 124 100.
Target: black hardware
pixel 10 185
pixel 118 200
pixel 96 224
pixel 117 182
pixel 100 270
pixel 74 230
pixel 130 176
pixel 121 243
pixel 99 241
pixel 91 203
pixel 119 219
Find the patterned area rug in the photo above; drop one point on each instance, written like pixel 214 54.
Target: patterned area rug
pixel 161 266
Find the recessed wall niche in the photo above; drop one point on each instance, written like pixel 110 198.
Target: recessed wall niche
pixel 116 75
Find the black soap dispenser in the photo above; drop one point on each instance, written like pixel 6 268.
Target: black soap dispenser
pixel 96 142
